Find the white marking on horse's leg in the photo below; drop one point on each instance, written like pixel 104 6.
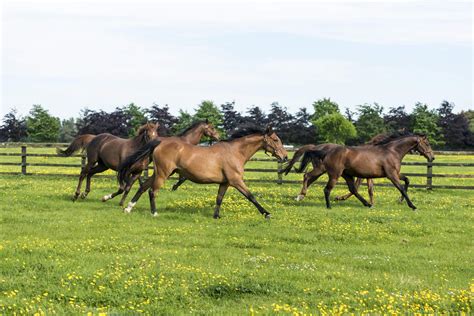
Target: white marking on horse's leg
pixel 106 197
pixel 300 197
pixel 154 214
pixel 129 207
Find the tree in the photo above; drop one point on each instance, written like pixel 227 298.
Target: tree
pixel 302 131
pixel 334 128
pixel 281 121
pixel 397 118
pixel 208 110
pixel 117 123
pixel 13 128
pixel 454 127
pixel 137 117
pixel 230 118
pixel 184 120
pixel 68 130
pixel 41 126
pixel 470 117
pixel 256 116
pixel 164 117
pixel 369 122
pixel 425 121
pixel 324 107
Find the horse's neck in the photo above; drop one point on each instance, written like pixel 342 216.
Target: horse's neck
pixel 193 136
pixel 249 145
pixel 403 146
pixel 139 140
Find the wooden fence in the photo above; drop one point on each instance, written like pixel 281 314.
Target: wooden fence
pixel 428 175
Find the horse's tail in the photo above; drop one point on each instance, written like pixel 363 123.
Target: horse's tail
pixel 126 166
pixel 316 156
pixel 296 157
pixel 79 143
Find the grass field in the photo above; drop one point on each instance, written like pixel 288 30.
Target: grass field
pixel 74 258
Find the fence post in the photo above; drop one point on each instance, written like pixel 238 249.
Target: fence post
pixel 23 159
pixel 280 176
pixel 429 175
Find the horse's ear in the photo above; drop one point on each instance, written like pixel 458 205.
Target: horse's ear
pixel 268 130
pixel 207 121
pixel 157 125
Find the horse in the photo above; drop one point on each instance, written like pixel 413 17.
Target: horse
pixel 222 163
pixel 310 177
pixel 191 135
pixel 379 161
pixel 106 151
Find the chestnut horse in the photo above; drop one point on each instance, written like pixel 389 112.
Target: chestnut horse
pixel 106 151
pixel 222 163
pixel 191 135
pixel 379 161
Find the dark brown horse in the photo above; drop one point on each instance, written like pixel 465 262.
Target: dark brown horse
pixel 222 163
pixel 106 151
pixel 311 176
pixel 191 135
pixel 379 161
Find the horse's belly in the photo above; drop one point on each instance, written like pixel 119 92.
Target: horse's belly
pixel 201 176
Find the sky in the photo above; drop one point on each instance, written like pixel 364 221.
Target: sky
pixel 100 54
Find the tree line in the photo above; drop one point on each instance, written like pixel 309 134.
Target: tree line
pixel 325 123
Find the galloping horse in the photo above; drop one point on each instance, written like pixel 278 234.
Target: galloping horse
pixel 191 135
pixel 222 163
pixel 311 176
pixel 379 161
pixel 106 151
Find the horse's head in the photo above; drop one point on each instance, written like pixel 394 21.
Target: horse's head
pixel 424 148
pixel 272 143
pixel 149 131
pixel 210 130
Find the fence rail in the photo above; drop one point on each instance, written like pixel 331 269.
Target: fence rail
pixel 429 175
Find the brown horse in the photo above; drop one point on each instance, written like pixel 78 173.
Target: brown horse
pixel 379 161
pixel 311 176
pixel 106 151
pixel 191 135
pixel 222 163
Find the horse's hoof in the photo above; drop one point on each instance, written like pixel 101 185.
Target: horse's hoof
pixel 413 208
pixel 216 216
pixel 154 214
pixel 106 197
pixel 83 195
pixel 268 216
pixel 300 197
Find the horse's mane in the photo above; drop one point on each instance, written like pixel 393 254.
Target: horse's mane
pixel 245 130
pixel 385 139
pixel 190 127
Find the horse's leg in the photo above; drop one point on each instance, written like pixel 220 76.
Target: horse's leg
pixel 178 184
pixel 407 183
pixel 370 189
pixel 220 196
pixel 128 187
pixel 97 169
pixel 81 178
pixel 308 180
pixel 157 184
pixel 145 186
pixel 396 182
pixel 242 188
pixel 348 195
pixel 328 188
pixel 121 190
pixel 353 189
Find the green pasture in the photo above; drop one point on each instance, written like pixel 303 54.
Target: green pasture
pixel 67 258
